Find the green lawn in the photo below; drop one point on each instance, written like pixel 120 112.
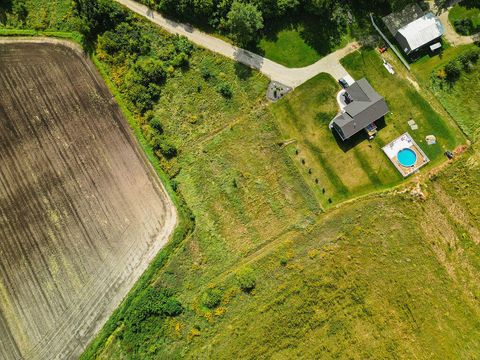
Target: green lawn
pixel 342 172
pixel 289 48
pixel 406 102
pixel 301 40
pixel 338 170
pixel 469 9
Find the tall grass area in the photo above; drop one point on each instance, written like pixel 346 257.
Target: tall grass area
pixel 459 98
pixel 348 284
pixel 357 287
pixel 462 101
pixel 39 15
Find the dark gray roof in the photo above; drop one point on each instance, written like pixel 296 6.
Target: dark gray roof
pixel 366 107
pixel 395 21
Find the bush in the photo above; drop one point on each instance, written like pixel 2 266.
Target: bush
pixel 156 124
pixel 153 302
pixel 246 279
pixel 162 145
pixel 183 45
pixel 473 55
pixel 452 71
pixel 225 90
pixel 180 60
pixel 212 298
pixel 205 70
pixel 464 26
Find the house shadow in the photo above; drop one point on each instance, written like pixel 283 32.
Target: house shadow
pixel 358 138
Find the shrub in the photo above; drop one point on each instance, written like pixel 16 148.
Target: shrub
pixel 180 60
pixel 225 90
pixel 162 145
pixel 452 71
pixel 246 279
pixel 183 45
pixel 156 124
pixel 153 302
pixel 205 70
pixel 473 55
pixel 212 298
pixel 464 26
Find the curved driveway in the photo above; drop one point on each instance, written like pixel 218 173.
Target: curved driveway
pixel 287 76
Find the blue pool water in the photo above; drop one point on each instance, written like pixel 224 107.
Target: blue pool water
pixel 407 157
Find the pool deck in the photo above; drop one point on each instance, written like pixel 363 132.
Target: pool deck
pixel 405 141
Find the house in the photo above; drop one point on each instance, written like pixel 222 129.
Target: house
pixel 361 107
pixel 414 30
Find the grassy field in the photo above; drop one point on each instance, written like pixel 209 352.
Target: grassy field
pixel 356 287
pixel 469 9
pixel 349 284
pixel 459 99
pixel 41 15
pixel 423 68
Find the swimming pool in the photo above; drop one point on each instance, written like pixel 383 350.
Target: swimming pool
pixel 407 157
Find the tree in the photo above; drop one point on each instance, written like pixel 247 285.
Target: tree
pixel 244 21
pixel 100 16
pixel 246 279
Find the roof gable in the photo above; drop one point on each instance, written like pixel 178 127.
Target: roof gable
pixel 366 107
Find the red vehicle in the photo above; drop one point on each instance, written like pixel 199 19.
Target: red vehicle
pixel 382 49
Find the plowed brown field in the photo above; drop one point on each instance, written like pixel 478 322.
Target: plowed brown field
pixel 81 211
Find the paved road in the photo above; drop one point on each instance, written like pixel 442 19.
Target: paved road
pixel 287 76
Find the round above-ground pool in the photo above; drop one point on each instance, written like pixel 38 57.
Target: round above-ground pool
pixel 407 157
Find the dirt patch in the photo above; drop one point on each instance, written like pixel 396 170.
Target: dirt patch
pixel 81 211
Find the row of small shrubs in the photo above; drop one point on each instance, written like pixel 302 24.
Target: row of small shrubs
pixel 452 71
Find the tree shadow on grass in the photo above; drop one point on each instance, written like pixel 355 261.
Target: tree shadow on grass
pixel 319 32
pixel 5 7
pixel 242 71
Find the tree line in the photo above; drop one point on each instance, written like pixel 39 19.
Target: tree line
pixel 243 20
